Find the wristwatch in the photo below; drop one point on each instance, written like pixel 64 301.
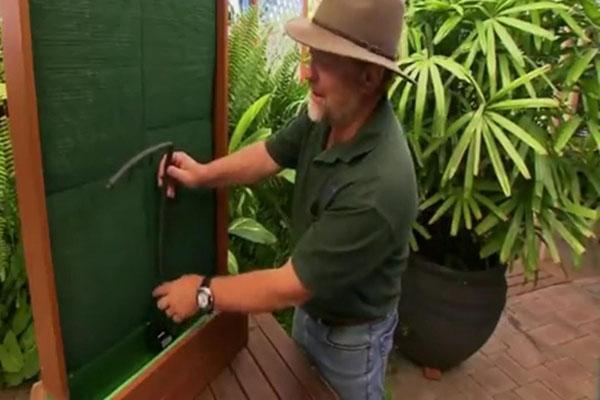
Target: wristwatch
pixel 205 297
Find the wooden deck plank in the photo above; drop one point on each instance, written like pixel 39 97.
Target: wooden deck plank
pixel 284 382
pixel 294 358
pixel 251 378
pixel 226 387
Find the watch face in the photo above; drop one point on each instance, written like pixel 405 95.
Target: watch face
pixel 202 300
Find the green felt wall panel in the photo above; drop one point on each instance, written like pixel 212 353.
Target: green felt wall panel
pixel 114 77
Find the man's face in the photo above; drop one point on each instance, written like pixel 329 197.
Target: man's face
pixel 335 90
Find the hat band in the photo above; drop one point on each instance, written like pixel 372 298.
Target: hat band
pixel 362 43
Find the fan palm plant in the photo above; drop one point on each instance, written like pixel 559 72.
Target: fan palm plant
pixel 506 159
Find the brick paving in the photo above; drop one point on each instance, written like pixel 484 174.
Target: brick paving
pixel 546 346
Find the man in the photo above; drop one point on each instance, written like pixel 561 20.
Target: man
pixel 353 206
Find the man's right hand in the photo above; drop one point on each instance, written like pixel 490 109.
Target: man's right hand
pixel 183 170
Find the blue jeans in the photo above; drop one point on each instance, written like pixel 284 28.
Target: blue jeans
pixel 352 359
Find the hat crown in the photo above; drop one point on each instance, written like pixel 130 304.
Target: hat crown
pixel 373 24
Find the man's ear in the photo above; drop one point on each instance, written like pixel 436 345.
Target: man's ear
pixel 371 78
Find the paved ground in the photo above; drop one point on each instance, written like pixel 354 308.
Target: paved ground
pixel 546 347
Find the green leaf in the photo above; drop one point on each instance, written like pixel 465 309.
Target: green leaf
pixel 475 208
pixel 566 132
pixel 470 171
pixel 532 250
pixel 504 70
pixel 582 227
pixel 493 245
pixel 537 5
pixel 579 67
pixel 595 132
pixel 498 213
pixel 467 216
pixel 510 150
pixel 420 101
pixel 258 136
pixel 394 87
pixel 509 44
pixel 442 210
pixel 496 161
pixel 582 211
pixel 252 230
pixel 511 235
pixel 473 51
pixel 446 28
pixel 527 27
pixel 459 123
pixel 11 357
pixel 14 379
pixel 528 85
pixel 558 226
pixel 246 120
pixel 421 230
pixel 232 263
pixel 31 364
pixel 403 104
pixel 592 10
pixel 521 81
pixel 288 174
pixel 491 60
pixel 456 218
pixel 519 104
pixel 481 36
pixel 573 24
pixel 21 318
pixel 518 132
pixel 550 243
pixel 536 19
pixel 27 339
pixel 440 101
pixel 453 67
pixel 462 145
pixel 431 201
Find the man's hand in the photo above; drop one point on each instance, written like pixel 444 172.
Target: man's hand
pixel 178 298
pixel 183 170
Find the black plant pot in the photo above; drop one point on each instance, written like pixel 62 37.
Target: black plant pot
pixel 447 315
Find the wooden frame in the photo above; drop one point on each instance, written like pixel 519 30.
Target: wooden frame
pixel 195 360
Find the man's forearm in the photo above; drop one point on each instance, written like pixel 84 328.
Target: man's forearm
pixel 258 291
pixel 244 167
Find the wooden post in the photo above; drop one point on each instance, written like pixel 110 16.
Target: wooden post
pixel 220 132
pixel 24 128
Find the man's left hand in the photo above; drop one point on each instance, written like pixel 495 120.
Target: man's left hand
pixel 178 298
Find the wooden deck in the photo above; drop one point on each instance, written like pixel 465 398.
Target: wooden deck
pixel 271 366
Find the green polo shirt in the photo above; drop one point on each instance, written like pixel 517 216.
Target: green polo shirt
pixel 352 211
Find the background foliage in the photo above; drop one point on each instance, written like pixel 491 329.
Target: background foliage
pixel 18 352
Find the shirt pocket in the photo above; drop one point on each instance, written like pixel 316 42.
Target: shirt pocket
pixel 325 197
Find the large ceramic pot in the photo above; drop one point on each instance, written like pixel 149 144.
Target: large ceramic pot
pixel 446 315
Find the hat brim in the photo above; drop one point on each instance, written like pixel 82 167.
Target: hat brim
pixel 303 31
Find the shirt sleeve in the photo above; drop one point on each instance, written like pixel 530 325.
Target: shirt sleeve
pixel 341 248
pixel 284 146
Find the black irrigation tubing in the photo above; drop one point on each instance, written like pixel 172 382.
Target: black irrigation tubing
pixel 130 164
